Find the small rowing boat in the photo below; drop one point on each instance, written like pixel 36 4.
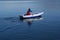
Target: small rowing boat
pixel 28 15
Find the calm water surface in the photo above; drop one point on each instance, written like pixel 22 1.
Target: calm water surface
pixel 45 28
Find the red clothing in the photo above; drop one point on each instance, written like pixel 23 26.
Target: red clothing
pixel 28 13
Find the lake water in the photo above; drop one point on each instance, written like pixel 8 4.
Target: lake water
pixel 45 28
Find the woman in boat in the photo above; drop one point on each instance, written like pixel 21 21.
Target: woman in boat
pixel 28 12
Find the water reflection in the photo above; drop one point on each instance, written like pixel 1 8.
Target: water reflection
pixel 29 21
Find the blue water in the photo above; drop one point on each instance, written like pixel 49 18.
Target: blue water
pixel 47 28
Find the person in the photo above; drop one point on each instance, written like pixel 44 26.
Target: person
pixel 28 12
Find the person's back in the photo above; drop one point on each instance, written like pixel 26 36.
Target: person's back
pixel 28 12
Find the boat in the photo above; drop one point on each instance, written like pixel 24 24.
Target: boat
pixel 35 19
pixel 28 15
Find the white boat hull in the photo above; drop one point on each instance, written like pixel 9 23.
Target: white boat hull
pixel 32 16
